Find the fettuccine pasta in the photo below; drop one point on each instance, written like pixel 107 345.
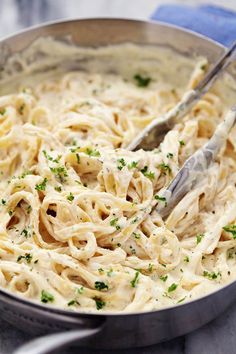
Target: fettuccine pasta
pixel 77 225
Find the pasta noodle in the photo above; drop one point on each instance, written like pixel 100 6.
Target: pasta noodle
pixel 77 228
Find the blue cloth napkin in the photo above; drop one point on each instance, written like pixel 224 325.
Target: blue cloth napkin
pixel 211 21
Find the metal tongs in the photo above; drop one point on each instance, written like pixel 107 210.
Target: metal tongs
pixel 196 166
pixel 153 134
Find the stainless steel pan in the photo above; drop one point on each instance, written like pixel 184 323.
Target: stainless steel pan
pixel 112 330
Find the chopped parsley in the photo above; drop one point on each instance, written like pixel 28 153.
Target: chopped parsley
pixel 231 229
pixel 113 222
pixel 186 259
pixel 58 189
pixel 72 302
pixel 211 276
pixel 169 155
pixel 41 186
pixel 25 233
pixel 147 173
pixel 10 212
pixel 134 220
pixel 75 149
pixel 50 158
pixel 28 257
pixel 136 235
pixel 142 81
pixel 133 164
pixel 2 111
pixel 134 282
pixel 164 277
pixel 165 168
pixel 181 300
pixel 24 174
pixel 92 152
pixel 150 267
pixel 161 199
pixel 99 303
pixel 46 297
pixel 29 209
pixel 121 163
pixel 181 143
pixel 199 238
pixel 21 108
pixel 99 285
pixel 60 172
pixel 173 287
pixel 70 197
pixel 3 201
pixel 78 158
pixel 80 290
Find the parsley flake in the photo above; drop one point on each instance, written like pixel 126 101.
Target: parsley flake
pixel 142 81
pixel 147 173
pixel 99 303
pixel 41 186
pixel 134 282
pixel 99 285
pixel 231 229
pixel 46 297
pixel 92 152
pixel 172 287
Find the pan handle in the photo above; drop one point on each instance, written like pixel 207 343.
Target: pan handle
pixel 48 343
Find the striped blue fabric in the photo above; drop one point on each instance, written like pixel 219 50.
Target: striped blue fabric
pixel 212 21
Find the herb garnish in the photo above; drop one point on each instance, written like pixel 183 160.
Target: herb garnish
pixel 21 108
pixel 147 174
pixel 70 197
pixel 113 222
pixel 28 257
pixel 134 282
pixel 211 275
pixel 199 238
pixel 121 163
pixel 164 277
pixel 133 164
pixel 231 229
pixel 50 158
pixel 60 172
pixel 142 81
pixel 136 235
pixel 29 209
pixel 25 233
pixel 100 285
pixel 181 143
pixel 162 199
pixel 58 189
pixel 78 158
pixel 99 303
pixel 173 287
pixel 72 302
pixel 41 186
pixel 186 259
pixel 165 168
pixel 80 290
pixel 169 155
pixel 92 152
pixel 46 297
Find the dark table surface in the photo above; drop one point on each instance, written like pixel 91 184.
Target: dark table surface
pixel 216 337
